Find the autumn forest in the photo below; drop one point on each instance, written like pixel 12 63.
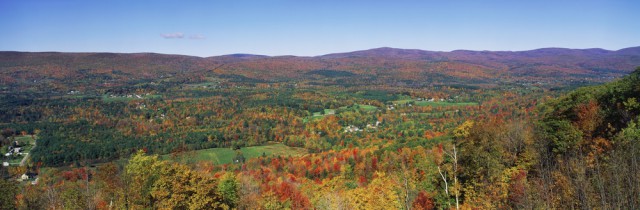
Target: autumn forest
pixel 384 128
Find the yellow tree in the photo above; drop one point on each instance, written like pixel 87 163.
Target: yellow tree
pixel 140 174
pixel 171 189
pixel 379 194
pixel 178 187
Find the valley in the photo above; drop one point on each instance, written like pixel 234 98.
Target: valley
pixel 422 128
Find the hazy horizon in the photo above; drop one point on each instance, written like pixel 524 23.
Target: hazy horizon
pixel 285 27
pixel 241 53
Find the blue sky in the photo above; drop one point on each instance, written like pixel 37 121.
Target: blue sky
pixel 308 28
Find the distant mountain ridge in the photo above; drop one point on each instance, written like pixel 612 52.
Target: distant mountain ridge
pixel 379 64
pixel 388 51
pixel 374 52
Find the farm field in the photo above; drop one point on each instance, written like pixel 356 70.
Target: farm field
pixel 442 103
pixel 352 108
pixel 226 155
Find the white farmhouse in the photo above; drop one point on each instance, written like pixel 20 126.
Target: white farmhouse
pixel 24 177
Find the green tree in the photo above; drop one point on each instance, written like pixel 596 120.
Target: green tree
pixel 7 194
pixel 561 135
pixel 228 188
pixel 72 197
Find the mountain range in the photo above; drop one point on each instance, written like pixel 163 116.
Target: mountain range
pixel 55 70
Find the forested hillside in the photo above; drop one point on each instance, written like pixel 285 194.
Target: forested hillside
pixel 588 147
pixel 62 72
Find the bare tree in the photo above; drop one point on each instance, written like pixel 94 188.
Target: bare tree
pixel 453 154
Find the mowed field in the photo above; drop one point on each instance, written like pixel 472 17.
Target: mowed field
pixel 434 103
pixel 226 155
pixel 442 103
pixel 363 107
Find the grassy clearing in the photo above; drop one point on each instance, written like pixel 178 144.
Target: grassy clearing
pixel 27 139
pixel 443 103
pixel 226 155
pixel 353 108
pixel 402 102
pixel 329 111
pixel 368 108
pixel 325 112
pixel 15 161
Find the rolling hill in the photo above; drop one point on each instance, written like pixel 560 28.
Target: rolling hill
pixel 53 71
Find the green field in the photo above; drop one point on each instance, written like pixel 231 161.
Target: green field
pixel 26 140
pixel 325 112
pixel 320 115
pixel 402 102
pixel 15 161
pixel 443 103
pixel 225 155
pixel 368 108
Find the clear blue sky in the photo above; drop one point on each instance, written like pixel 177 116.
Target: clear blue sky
pixel 307 28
